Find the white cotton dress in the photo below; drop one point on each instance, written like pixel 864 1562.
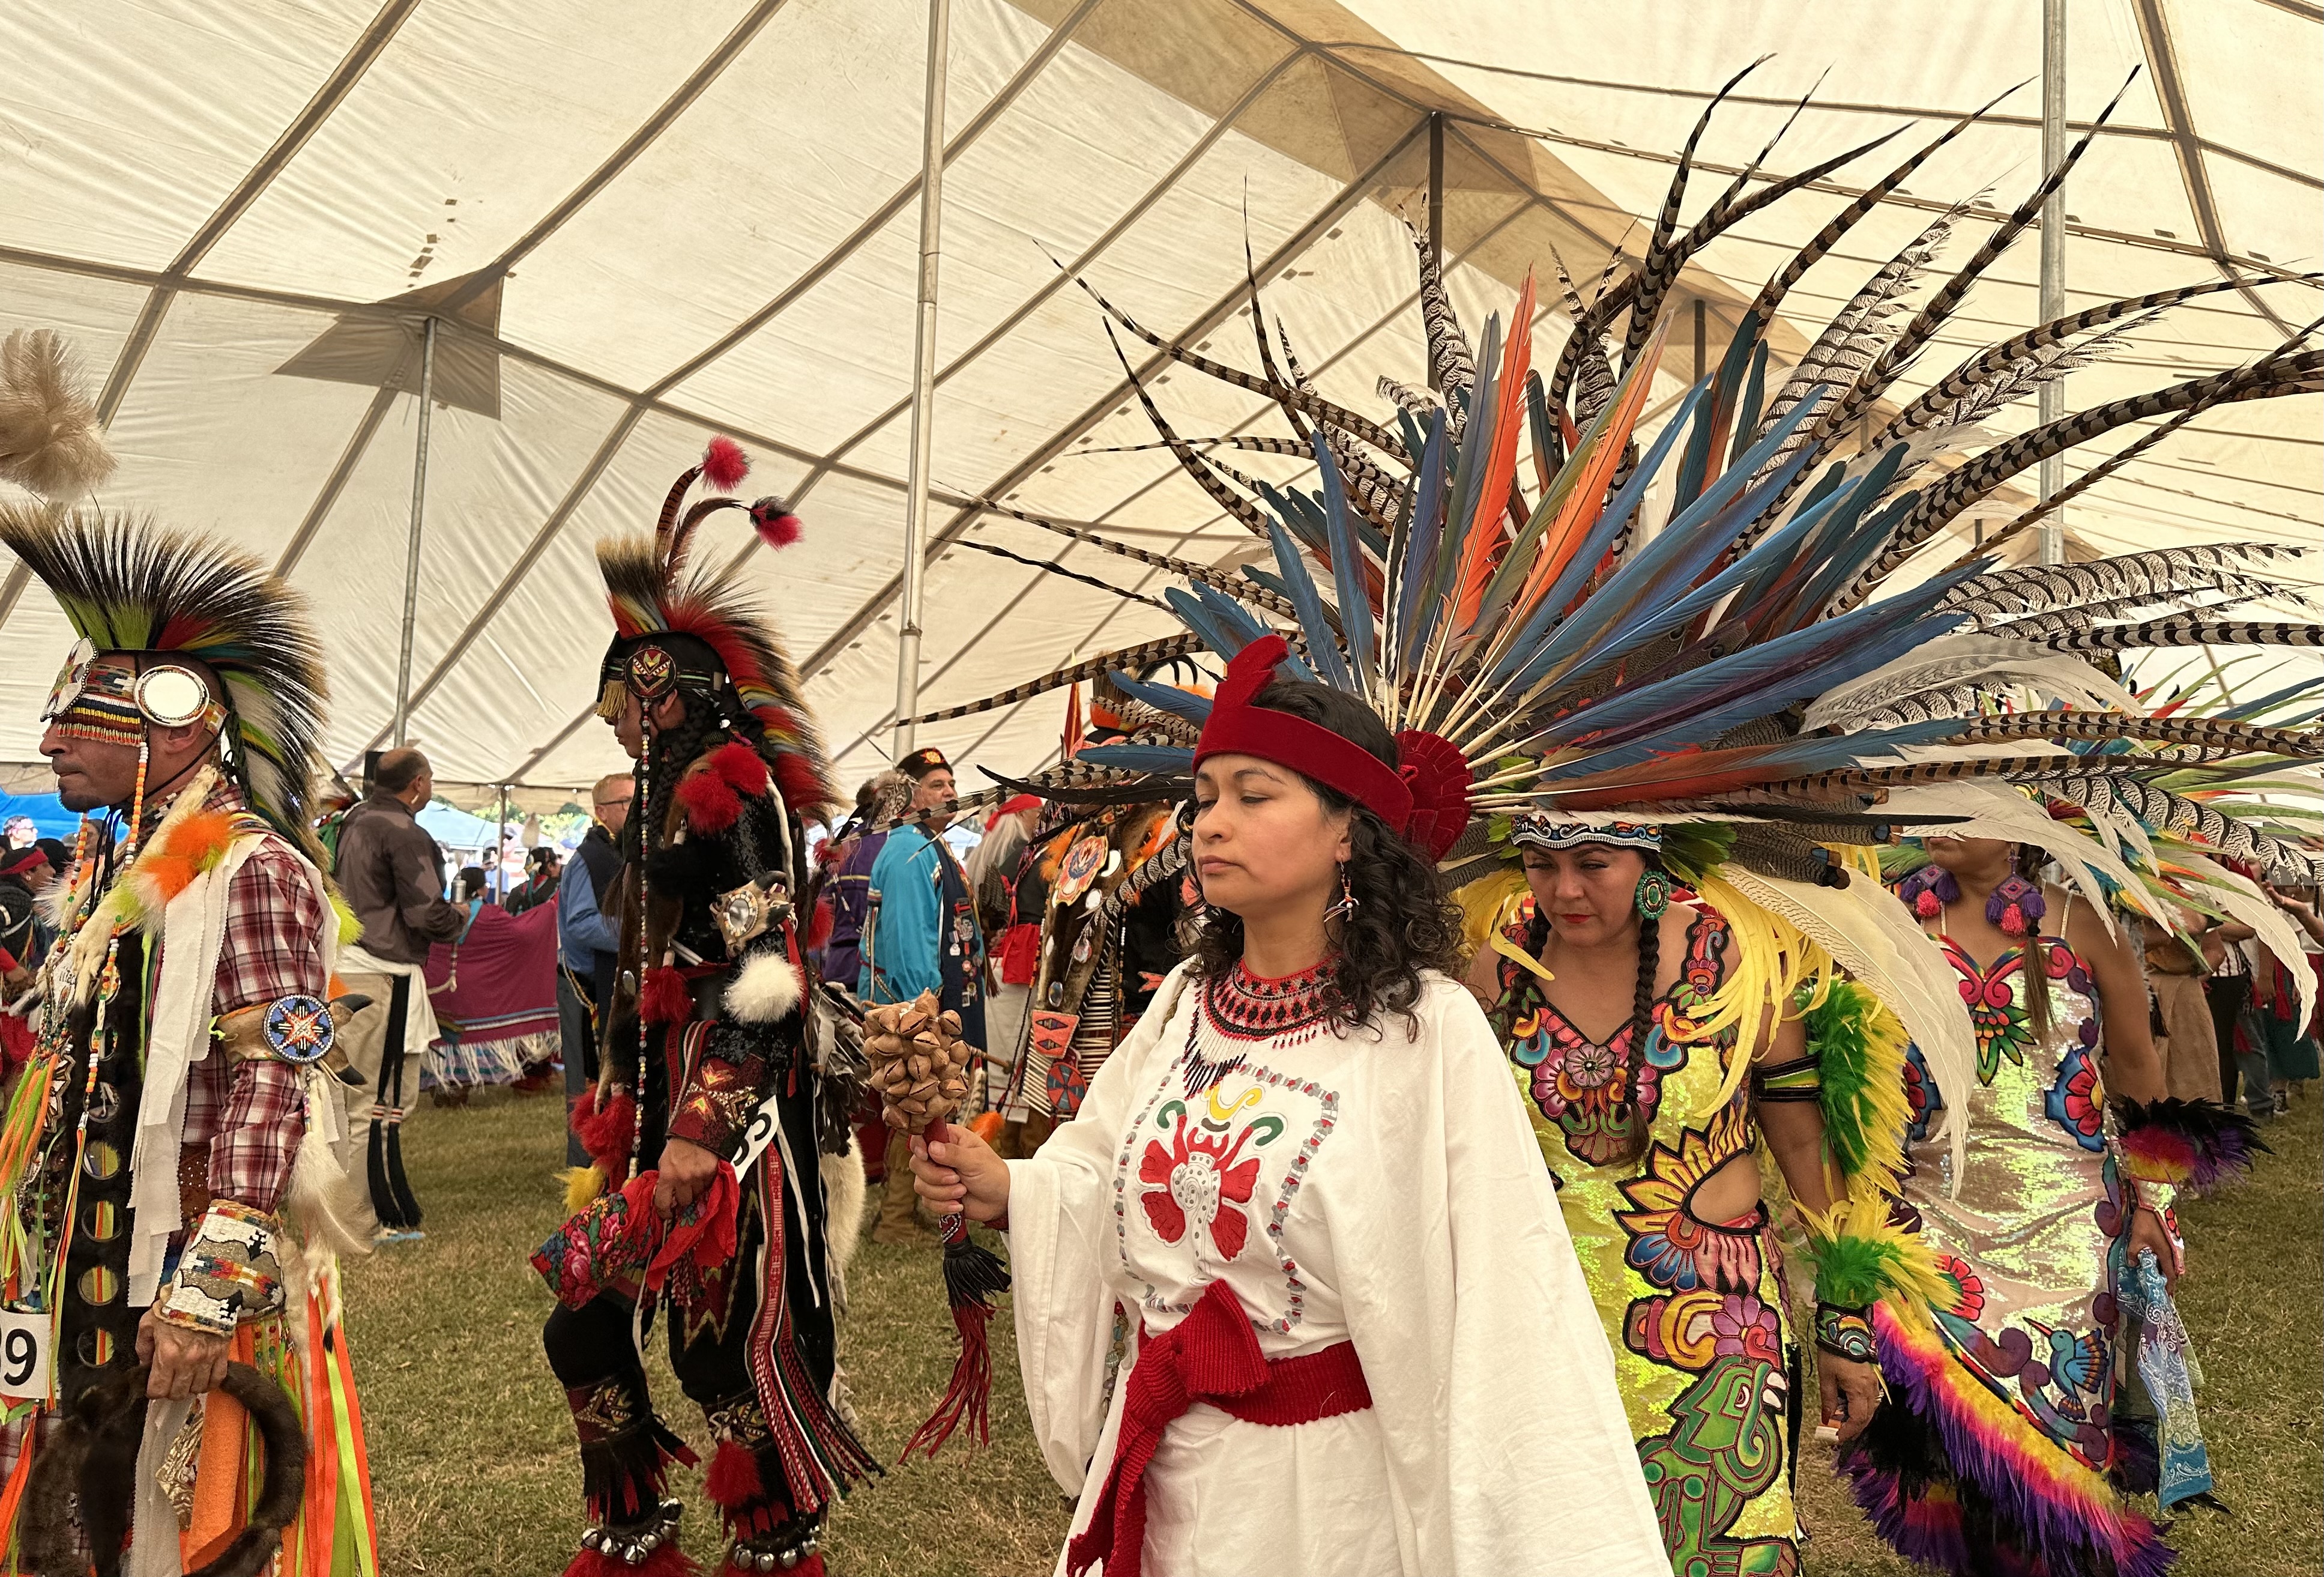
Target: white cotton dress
pixel 1379 1188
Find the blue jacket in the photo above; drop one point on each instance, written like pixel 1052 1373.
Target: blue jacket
pixel 583 930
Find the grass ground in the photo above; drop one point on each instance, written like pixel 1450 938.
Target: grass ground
pixel 472 1449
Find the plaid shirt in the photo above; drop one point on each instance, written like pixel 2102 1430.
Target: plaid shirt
pixel 253 1114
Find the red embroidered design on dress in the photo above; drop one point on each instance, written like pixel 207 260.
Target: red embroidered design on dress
pixel 1201 1179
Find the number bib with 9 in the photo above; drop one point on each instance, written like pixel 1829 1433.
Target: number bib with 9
pixel 27 1371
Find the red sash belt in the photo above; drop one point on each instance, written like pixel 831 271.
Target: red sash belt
pixel 1210 1356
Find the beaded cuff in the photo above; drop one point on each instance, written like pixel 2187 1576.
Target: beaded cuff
pixel 1846 1332
pixel 228 1273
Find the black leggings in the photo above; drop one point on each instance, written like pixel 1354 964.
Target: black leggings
pixel 2225 995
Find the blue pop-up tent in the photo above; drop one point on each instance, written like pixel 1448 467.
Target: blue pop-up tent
pixel 47 811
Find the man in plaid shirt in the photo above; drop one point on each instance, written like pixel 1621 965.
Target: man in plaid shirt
pixel 183 1025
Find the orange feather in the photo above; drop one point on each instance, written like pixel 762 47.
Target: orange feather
pixel 1485 540
pixel 1581 507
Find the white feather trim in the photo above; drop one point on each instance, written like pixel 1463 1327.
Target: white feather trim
pixel 1874 938
pixel 2244 901
pixel 764 990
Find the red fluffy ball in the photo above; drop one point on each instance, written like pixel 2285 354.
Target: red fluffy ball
pixel 734 1478
pixel 724 464
pixel 709 802
pixel 743 768
pixel 819 926
pixel 605 1135
pixel 776 525
pixel 663 999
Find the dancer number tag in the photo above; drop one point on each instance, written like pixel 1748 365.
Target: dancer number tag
pixel 26 1370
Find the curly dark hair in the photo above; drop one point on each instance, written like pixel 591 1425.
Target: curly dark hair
pixel 1403 921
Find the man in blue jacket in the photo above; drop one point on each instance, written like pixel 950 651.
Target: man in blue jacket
pixel 588 940
pixel 921 934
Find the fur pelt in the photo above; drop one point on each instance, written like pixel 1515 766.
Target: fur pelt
pixel 91 1453
pixel 843 1223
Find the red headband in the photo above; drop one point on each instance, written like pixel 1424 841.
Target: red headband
pixel 1425 798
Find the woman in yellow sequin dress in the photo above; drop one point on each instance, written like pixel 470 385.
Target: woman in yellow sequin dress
pixel 1653 1140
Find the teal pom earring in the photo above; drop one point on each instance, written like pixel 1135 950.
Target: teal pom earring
pixel 1654 894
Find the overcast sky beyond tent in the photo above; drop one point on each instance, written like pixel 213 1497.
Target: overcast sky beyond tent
pixel 647 223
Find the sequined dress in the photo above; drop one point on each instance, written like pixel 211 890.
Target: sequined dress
pixel 1695 1311
pixel 2019 1377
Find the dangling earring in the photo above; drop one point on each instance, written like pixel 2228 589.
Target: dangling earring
pixel 1929 890
pixel 2016 906
pixel 1347 904
pixel 1654 894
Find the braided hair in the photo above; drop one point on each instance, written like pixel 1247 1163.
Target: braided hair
pixel 1638 1132
pixel 2027 859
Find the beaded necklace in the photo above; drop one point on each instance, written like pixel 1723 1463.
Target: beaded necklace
pixel 1240 1010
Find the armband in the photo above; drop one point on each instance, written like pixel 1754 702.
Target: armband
pixel 1862 1257
pixel 229 1272
pixel 295 1029
pixel 1800 1079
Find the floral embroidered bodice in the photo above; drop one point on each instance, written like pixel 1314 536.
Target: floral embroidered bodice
pixel 1594 1091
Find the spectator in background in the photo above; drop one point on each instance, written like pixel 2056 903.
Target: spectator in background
pixel 1013 937
pixel 19 906
pixel 539 883
pixel 921 937
pixel 858 847
pixel 589 939
pixel 390 873
pixel 21 832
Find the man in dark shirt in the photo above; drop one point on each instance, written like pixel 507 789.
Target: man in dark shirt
pixel 391 874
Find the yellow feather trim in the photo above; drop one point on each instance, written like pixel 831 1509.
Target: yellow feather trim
pixel 1489 905
pixel 583 1185
pixel 1770 961
pixel 1914 1284
pixel 350 927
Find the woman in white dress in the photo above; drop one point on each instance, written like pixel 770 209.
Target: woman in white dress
pixel 1293 1294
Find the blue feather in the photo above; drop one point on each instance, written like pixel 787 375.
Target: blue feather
pixel 1322 650
pixel 1762 664
pixel 1235 621
pixel 1416 612
pixel 1585 562
pixel 1195 709
pixel 1632 582
pixel 1347 566
pixel 1219 636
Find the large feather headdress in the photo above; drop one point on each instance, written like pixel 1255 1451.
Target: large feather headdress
pixel 1758 663
pixel 128 585
pixel 651 593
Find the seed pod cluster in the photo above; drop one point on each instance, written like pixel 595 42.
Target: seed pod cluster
pixel 920 1062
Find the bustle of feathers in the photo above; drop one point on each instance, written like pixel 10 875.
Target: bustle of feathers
pixel 127 584
pixel 650 591
pixel 50 439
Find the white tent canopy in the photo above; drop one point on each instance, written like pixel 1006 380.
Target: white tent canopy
pixel 639 225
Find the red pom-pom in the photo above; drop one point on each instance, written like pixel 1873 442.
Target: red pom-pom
pixel 663 997
pixel 777 526
pixel 800 783
pixel 734 1478
pixel 668 1561
pixel 709 802
pixel 724 464
pixel 819 926
pixel 741 767
pixel 2013 920
pixel 1926 905
pixel 605 1135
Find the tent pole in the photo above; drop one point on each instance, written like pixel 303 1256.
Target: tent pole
pixel 2051 397
pixel 1436 212
pixel 500 849
pixel 411 556
pixel 924 377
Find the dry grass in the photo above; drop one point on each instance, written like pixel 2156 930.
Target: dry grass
pixel 472 1455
